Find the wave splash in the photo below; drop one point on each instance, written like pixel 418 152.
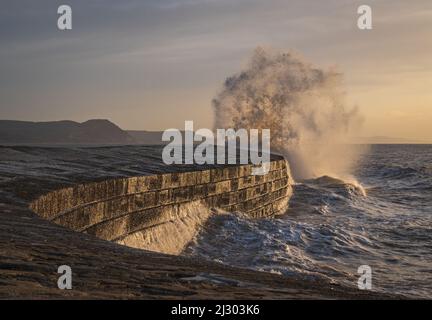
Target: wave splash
pixel 303 106
pixel 174 236
pixel 350 185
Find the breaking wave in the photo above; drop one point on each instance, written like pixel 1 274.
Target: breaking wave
pixel 172 237
pixel 303 106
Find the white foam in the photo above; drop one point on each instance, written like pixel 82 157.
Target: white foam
pixel 171 237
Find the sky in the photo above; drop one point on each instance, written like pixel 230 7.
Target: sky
pixel 151 65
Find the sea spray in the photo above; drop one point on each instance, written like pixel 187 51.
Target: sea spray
pixel 173 236
pixel 303 106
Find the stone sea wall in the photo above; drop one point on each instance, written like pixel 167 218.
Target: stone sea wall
pixel 135 211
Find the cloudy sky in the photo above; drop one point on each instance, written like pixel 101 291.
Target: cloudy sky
pixel 153 64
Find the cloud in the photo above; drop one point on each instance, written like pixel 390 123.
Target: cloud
pixel 167 46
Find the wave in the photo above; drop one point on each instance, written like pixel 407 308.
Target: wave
pixel 303 106
pixel 399 172
pixel 283 246
pixel 349 187
pixel 403 178
pixel 381 217
pixel 172 237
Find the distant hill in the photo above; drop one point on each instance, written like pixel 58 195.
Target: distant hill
pixel 386 140
pixel 63 132
pixel 146 137
pixel 96 131
pixel 151 137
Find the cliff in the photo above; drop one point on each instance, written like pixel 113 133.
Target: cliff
pixel 62 132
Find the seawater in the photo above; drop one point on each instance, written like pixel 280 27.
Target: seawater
pixel 333 226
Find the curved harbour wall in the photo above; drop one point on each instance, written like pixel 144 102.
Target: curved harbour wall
pixel 163 212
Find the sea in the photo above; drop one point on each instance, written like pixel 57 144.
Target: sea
pixel 333 227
